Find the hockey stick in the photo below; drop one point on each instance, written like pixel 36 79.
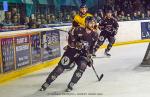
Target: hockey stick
pixel 98 77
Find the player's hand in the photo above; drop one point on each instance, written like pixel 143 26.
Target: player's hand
pixel 90 63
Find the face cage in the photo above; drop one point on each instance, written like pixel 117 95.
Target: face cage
pixel 90 25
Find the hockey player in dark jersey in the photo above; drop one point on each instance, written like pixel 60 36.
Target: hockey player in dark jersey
pixel 108 27
pixel 80 51
pixel 78 21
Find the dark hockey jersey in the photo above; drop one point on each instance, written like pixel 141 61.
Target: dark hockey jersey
pixel 109 25
pixel 80 35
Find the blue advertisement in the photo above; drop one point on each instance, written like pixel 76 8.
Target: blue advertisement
pixel 145 30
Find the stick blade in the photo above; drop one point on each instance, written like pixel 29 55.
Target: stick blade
pixel 100 78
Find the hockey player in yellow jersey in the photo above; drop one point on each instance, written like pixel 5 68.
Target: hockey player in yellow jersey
pixel 79 19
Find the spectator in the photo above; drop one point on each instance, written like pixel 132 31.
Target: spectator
pixel 27 21
pixel 43 21
pixel 148 14
pixel 53 19
pixel 7 20
pixel 128 17
pixel 15 21
pixel 42 16
pixel 139 15
pixel 61 17
pixel 142 16
pixel 119 17
pixel 18 16
pixel 48 19
pixel 39 22
pixel 38 16
pixel 135 17
pixel 122 17
pixel 32 23
pixel 14 12
pixel 68 18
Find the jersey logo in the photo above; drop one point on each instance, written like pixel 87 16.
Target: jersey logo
pixel 80 35
pixel 101 38
pixel 65 60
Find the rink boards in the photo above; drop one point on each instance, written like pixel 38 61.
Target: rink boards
pixel 25 51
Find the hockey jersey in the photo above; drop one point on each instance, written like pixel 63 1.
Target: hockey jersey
pixel 80 20
pixel 80 35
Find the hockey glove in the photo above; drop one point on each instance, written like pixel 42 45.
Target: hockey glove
pixel 90 60
pixel 90 63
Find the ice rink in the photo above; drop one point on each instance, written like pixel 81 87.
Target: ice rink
pixel 122 78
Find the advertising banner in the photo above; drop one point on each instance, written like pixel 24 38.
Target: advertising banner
pixel 7 50
pixel 36 48
pixel 50 44
pixel 22 51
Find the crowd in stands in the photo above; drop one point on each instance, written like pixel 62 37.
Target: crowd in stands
pixel 13 20
pixel 126 10
pixel 123 10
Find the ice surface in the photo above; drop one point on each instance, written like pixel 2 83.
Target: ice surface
pixel 122 78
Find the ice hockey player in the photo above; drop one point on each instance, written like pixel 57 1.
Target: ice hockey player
pixel 108 27
pixel 80 51
pixel 79 20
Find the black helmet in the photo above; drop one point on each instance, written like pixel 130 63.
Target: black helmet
pixel 90 19
pixel 83 6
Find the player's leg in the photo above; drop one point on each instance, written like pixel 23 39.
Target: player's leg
pixel 100 42
pixel 111 40
pixel 64 63
pixel 52 76
pixel 71 66
pixel 82 64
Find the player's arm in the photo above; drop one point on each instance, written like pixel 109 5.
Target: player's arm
pixel 74 22
pixel 95 39
pixel 71 38
pixel 116 26
pixel 101 24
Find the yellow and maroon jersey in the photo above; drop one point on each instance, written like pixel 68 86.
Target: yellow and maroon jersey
pixel 80 20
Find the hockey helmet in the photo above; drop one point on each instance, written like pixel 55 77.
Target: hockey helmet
pixel 89 19
pixel 83 6
pixel 90 22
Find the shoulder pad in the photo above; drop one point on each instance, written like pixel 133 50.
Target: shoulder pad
pixel 88 14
